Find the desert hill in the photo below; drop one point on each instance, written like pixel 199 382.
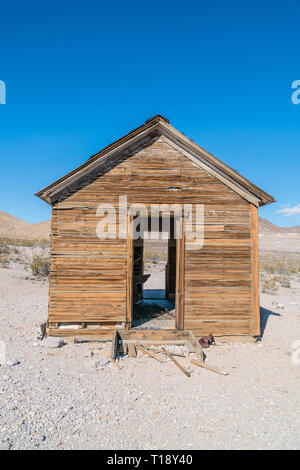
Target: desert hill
pixel 267 227
pixel 270 234
pixel 13 227
pixel 274 238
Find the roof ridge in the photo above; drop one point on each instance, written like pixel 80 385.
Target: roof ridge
pixel 157 125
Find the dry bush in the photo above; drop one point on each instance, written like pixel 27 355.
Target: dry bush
pixel 277 269
pixel 4 254
pixel 24 242
pixel 269 286
pixel 4 247
pixel 14 250
pixel 285 264
pixel 4 260
pixel 40 265
pixel 156 251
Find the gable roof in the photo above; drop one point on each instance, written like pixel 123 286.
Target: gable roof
pixel 155 127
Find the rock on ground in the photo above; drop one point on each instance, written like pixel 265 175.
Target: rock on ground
pixel 52 342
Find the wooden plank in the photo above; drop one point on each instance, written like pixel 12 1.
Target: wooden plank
pixel 129 267
pixel 170 352
pixel 222 328
pixel 131 350
pixel 179 299
pixel 176 363
pixel 147 352
pixel 89 276
pixel 205 366
pixel 114 346
pixel 158 335
pixel 196 345
pixel 155 341
pixel 87 340
pixel 255 270
pixel 235 339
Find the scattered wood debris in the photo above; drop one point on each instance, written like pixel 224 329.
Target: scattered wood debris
pixel 132 350
pixel 191 345
pixel 176 363
pixel 177 342
pixel 114 346
pixel 207 367
pixel 149 353
pixel 116 365
pixel 170 352
pixel 197 346
pixel 87 340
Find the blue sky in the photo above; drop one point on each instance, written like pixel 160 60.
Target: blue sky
pixel 79 75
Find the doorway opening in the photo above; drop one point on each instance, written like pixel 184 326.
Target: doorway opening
pixel 154 278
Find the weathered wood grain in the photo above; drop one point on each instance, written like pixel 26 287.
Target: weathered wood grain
pixel 255 271
pixel 90 278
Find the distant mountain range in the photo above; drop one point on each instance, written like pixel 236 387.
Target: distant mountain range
pixel 266 227
pixel 13 227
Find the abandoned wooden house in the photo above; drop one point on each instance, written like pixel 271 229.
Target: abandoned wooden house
pixel 154 288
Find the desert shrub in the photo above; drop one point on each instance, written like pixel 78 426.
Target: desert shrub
pixel 155 251
pixel 281 264
pixel 4 260
pixel 269 286
pixel 40 265
pixel 24 242
pixel 4 248
pixel 285 283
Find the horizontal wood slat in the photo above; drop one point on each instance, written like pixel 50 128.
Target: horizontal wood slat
pixel 88 280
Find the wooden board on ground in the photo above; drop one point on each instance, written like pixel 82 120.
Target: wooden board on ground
pixel 170 352
pixel 87 340
pixel 148 353
pixel 132 350
pixel 155 342
pixel 207 367
pixel 198 348
pixel 176 363
pixel 114 346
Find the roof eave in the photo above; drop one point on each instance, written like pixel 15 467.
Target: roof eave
pixel 159 125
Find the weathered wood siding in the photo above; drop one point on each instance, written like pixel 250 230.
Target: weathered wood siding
pixel 88 275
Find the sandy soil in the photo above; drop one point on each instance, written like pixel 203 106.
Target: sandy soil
pixel 67 398
pixel 283 242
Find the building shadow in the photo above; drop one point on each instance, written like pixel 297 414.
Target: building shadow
pixel 264 317
pixel 154 294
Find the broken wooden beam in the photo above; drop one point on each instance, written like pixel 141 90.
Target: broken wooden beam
pixel 131 350
pixel 205 366
pixel 116 365
pixel 88 340
pixel 153 341
pixel 114 346
pixel 149 353
pixel 196 345
pixel 170 352
pixel 176 363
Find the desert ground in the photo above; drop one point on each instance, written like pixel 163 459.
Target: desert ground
pixel 72 397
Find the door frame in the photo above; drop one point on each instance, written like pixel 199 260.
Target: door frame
pixel 179 288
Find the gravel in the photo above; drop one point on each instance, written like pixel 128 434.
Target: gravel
pixel 51 342
pixel 72 397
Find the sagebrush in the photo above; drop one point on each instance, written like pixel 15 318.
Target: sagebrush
pixel 4 260
pixel 40 265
